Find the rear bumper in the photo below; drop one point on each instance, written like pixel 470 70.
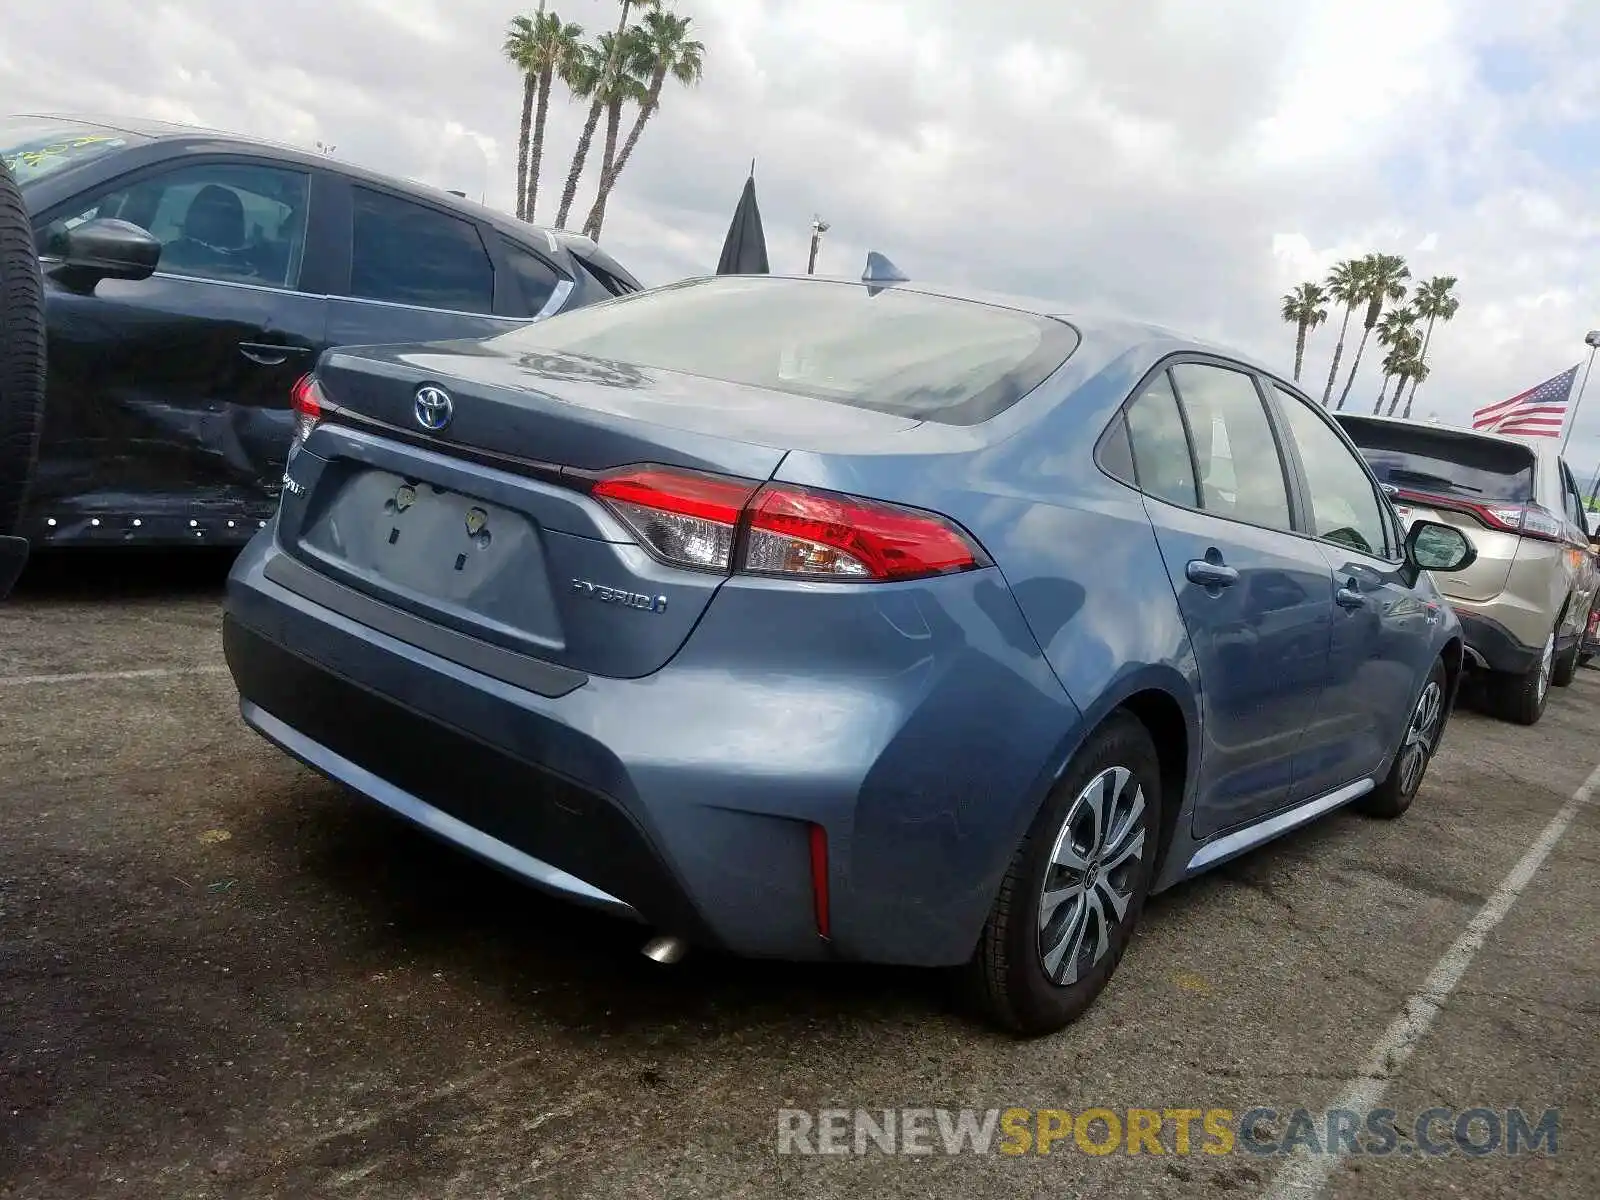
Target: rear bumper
pixel 913 726
pixel 1496 646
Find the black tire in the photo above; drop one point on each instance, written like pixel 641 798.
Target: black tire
pixel 1007 976
pixel 21 353
pixel 1424 728
pixel 1521 699
pixel 1565 668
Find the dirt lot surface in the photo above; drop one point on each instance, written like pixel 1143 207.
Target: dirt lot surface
pixel 223 977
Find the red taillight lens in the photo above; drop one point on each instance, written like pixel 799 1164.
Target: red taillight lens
pixel 685 518
pixel 691 519
pixel 306 399
pixel 1527 520
pixel 819 535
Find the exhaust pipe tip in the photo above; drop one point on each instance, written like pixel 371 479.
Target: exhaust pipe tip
pixel 665 950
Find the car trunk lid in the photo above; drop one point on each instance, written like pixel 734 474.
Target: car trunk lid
pixel 1455 477
pixel 486 525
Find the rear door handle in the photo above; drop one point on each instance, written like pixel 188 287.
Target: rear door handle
pixel 1349 597
pixel 1210 574
pixel 270 356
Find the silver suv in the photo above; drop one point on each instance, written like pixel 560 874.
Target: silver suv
pixel 1524 603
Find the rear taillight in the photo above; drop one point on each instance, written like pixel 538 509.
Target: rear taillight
pixel 683 517
pixel 306 399
pixel 1526 520
pixel 713 523
pixel 818 535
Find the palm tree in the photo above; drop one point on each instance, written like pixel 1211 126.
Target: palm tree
pixel 597 103
pixel 518 47
pixel 1305 308
pixel 1397 331
pixel 630 85
pixel 1435 303
pixel 1384 276
pixel 1346 286
pixel 543 47
pixel 670 50
pixel 1397 365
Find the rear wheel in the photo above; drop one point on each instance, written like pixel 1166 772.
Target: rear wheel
pixel 1394 795
pixel 21 353
pixel 1521 698
pixel 1075 888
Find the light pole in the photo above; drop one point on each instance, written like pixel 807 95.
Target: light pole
pixel 818 228
pixel 1592 340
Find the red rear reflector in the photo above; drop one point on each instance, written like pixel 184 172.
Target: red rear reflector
pixel 801 532
pixel 819 877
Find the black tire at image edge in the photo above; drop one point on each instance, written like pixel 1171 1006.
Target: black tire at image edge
pixel 22 353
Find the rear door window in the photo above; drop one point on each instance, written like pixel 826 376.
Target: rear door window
pixel 1444 462
pixel 407 253
pixel 1241 471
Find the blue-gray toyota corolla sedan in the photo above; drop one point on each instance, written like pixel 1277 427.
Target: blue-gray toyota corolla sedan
pixel 823 619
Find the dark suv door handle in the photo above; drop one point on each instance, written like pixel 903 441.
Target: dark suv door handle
pixel 1210 574
pixel 1349 597
pixel 270 356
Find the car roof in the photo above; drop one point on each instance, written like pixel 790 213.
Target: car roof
pixel 199 138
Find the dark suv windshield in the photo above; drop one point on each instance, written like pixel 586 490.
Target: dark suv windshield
pixel 1447 462
pixel 929 358
pixel 33 147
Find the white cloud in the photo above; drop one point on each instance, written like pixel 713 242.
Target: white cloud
pixel 1186 160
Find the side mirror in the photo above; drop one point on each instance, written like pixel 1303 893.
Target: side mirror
pixel 103 249
pixel 1434 546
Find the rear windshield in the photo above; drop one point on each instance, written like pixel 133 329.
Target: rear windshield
pixel 1445 462
pixel 33 147
pixel 928 358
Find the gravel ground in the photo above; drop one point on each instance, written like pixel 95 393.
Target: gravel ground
pixel 223 977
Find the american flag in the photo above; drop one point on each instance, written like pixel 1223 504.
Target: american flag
pixel 1537 412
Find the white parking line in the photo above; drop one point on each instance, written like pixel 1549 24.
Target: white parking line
pixel 1305 1175
pixel 100 676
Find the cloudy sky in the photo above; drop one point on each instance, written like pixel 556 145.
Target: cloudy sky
pixel 1186 160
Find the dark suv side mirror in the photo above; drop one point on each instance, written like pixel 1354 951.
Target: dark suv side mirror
pixel 1434 546
pixel 103 249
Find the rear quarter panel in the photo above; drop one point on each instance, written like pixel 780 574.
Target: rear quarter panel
pixel 1074 545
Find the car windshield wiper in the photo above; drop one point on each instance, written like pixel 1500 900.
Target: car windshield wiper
pixel 1423 477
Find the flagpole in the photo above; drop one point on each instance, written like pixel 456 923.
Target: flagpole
pixel 1593 340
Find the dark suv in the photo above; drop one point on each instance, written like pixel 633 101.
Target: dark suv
pixel 191 277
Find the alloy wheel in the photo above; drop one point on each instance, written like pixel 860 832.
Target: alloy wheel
pixel 1546 665
pixel 1092 875
pixel 1420 737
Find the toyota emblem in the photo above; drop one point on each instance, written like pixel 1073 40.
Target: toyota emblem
pixel 434 407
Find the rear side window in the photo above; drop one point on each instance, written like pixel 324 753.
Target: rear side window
pixel 929 358
pixel 1443 461
pixel 536 279
pixel 407 253
pixel 1161 445
pixel 1241 473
